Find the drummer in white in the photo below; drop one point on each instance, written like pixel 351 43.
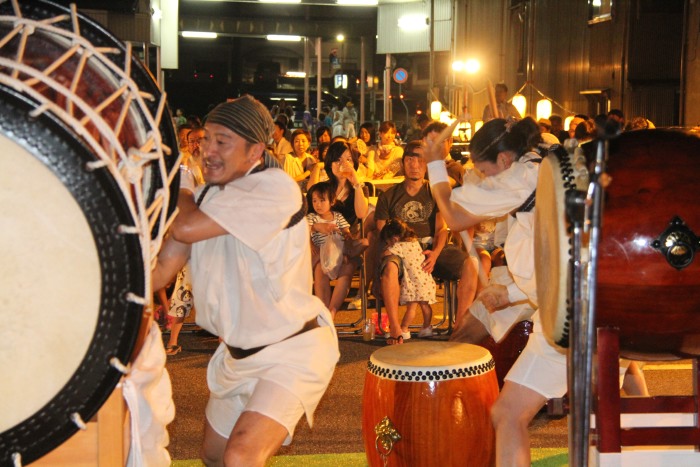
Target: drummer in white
pixel 251 267
pixel 505 156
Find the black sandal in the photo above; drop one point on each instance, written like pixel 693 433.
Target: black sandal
pixel 394 340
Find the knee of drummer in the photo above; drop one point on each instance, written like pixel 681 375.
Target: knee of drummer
pixel 500 416
pixel 506 414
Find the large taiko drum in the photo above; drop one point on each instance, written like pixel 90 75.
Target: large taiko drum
pixel 648 285
pixel 428 404
pixel 89 159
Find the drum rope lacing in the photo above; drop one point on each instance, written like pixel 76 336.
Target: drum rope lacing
pixel 126 165
pixel 78 420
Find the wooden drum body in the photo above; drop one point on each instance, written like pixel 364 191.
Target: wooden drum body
pixel 435 396
pixel 648 279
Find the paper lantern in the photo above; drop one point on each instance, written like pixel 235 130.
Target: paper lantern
pixel 544 108
pixel 520 103
pixel 435 109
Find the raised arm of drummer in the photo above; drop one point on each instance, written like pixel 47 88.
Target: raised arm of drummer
pixel 191 224
pixel 456 216
pixel 172 257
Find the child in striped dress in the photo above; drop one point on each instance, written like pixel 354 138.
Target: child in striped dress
pixel 328 226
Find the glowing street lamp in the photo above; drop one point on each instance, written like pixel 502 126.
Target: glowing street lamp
pixel 470 66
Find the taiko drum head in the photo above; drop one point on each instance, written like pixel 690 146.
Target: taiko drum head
pixel 553 246
pixel 66 275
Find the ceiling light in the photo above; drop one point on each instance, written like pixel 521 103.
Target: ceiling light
pixel 199 34
pixel 277 37
pixel 413 22
pixel 279 1
pixel 358 2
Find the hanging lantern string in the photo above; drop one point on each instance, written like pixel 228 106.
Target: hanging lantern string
pixel 525 84
pixel 529 83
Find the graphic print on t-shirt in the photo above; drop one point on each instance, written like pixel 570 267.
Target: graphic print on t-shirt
pixel 414 212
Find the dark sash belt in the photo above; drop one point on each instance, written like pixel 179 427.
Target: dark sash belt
pixel 239 353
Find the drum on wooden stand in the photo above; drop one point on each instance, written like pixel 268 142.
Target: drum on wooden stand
pixel 89 160
pixel 648 285
pixel 428 404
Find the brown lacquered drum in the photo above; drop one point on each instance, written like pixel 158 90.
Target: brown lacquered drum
pixel 648 284
pixel 86 177
pixel 428 404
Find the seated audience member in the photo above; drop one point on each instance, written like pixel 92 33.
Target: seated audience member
pixel 386 162
pixel 558 128
pixel 325 224
pixel 616 117
pixel 299 162
pixel 639 123
pixel 318 174
pixel 341 169
pixel 578 118
pixel 417 287
pixel 280 145
pixel 412 202
pixel 454 169
pixel 366 143
pixel 323 135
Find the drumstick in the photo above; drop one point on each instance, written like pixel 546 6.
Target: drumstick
pixel 492 101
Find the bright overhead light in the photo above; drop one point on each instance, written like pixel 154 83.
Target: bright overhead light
pixel 295 74
pixel 199 34
pixel 471 66
pixel 156 13
pixel 358 2
pixel 279 1
pixel 413 22
pixel 277 37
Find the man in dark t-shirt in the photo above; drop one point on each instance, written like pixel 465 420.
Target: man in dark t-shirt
pixel 412 202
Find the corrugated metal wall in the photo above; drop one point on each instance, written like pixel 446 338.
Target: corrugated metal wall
pixel 394 40
pixel 550 45
pixel 552 36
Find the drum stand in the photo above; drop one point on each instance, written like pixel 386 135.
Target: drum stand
pixel 105 442
pixel 660 430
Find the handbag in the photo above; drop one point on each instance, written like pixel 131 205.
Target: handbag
pixel 331 255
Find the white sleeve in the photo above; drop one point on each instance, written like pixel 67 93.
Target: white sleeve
pixel 498 195
pixel 255 208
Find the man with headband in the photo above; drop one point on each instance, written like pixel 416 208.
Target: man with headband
pixel 248 247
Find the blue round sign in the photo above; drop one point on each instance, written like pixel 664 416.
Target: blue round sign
pixel 400 75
